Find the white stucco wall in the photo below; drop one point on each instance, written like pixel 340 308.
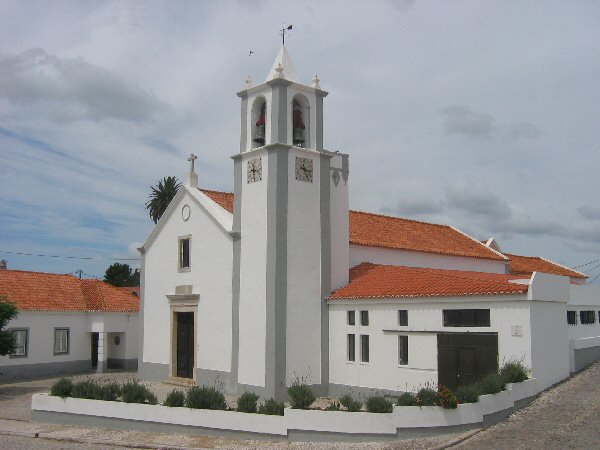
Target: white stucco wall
pixel 253 262
pixel 383 371
pixel 378 255
pixel 210 275
pixel 41 327
pixel 303 315
pixel 340 248
pixel 584 298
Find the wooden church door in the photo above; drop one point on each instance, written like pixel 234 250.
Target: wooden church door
pixel 185 345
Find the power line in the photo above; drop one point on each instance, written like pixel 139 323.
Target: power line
pixel 593 279
pixel 70 257
pixel 586 264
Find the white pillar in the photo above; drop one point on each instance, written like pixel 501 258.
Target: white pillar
pixel 102 352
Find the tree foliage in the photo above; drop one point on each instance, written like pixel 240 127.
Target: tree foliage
pixel 119 275
pixel 8 311
pixel 161 196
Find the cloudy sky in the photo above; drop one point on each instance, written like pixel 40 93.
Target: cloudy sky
pixel 479 114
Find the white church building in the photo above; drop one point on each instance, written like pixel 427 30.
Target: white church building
pixel 280 280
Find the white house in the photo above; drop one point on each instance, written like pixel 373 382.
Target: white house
pixel 66 324
pixel 280 280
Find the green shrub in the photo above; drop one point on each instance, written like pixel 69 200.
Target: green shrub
pixel 468 394
pixel 175 399
pixel 334 406
pixel 109 392
pixel 491 384
pixel 247 402
pixel 205 398
pixel 350 404
pixel 272 408
pixel 406 399
pixel 446 398
pixel 62 388
pixel 379 404
pixel 301 396
pixel 426 397
pixel 86 389
pixel 134 392
pixel 513 372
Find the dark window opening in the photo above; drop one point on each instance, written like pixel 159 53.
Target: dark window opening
pixel 351 348
pixel 184 253
pixel 364 348
pixel 403 350
pixel 572 317
pixel 403 318
pixel 364 318
pixel 351 317
pixel 466 317
pixel 587 317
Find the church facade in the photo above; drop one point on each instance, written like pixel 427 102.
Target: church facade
pixel 280 280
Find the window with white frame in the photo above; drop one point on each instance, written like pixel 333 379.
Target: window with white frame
pixel 351 347
pixel 402 350
pixel 351 317
pixel 184 253
pixel 364 348
pixel 61 340
pixel 571 317
pixel 403 317
pixel 587 317
pixel 20 342
pixel 364 318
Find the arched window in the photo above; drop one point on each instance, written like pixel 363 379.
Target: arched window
pixel 258 122
pixel 300 121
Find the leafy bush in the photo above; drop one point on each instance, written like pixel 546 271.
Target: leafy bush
pixel 247 402
pixel 350 404
pixel 379 404
pixel 109 392
pixel 491 384
pixel 86 389
pixel 468 394
pixel 272 408
pixel 513 372
pixel 205 398
pixel 406 399
pixel 62 388
pixel 301 396
pixel 446 398
pixel 134 392
pixel 175 399
pixel 334 406
pixel 426 397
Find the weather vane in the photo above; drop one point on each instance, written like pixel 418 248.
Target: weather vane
pixel 282 32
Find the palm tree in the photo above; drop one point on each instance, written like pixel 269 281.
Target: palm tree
pixel 161 196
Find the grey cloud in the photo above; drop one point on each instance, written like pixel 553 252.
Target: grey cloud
pixel 589 212
pixel 523 130
pixel 463 120
pixel 476 201
pixel 415 206
pixel 73 88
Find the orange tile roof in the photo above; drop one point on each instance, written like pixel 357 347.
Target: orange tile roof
pixel 526 265
pixel 38 291
pixel 369 280
pixel 377 230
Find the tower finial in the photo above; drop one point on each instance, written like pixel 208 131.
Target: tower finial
pixel 282 33
pixel 192 178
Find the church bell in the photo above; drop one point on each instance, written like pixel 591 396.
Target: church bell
pixel 260 134
pixel 298 136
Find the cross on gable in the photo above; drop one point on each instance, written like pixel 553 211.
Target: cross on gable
pixel 191 159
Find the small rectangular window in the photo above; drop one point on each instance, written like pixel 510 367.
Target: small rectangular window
pixel 572 317
pixel 403 317
pixel 402 350
pixel 587 317
pixel 351 317
pixel 351 348
pixel 61 340
pixel 364 348
pixel 21 338
pixel 184 253
pixel 364 318
pixel 466 317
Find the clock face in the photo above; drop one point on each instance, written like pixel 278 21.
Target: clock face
pixel 304 169
pixel 254 170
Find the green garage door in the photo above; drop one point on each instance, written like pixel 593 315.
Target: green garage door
pixel 464 358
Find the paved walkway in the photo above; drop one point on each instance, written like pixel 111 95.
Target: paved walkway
pixel 567 416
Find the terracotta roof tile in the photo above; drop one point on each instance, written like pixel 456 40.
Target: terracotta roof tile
pixel 377 230
pixel 526 265
pixel 369 280
pixel 38 291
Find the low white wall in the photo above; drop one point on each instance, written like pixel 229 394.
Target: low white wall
pixel 359 423
pixel 379 255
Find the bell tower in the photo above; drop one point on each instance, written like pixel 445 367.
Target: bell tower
pixel 291 224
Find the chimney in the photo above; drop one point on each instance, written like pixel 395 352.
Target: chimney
pixel 3 264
